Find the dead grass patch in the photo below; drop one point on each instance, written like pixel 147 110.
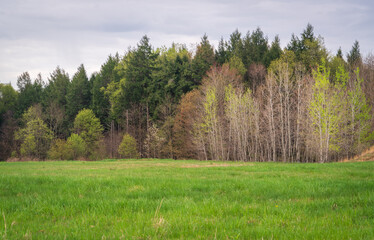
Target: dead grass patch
pixel 367 155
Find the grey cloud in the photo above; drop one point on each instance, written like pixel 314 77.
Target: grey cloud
pixel 38 35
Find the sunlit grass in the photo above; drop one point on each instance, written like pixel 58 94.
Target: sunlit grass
pixel 165 199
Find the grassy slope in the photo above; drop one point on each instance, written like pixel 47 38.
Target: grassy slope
pixel 145 199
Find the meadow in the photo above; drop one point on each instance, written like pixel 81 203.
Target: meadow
pixel 169 199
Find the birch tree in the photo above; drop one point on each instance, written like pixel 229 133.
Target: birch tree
pixel 241 113
pixel 324 112
pixel 359 116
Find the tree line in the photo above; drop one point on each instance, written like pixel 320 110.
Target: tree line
pixel 247 100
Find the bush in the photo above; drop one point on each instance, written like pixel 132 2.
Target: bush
pixel 127 148
pixel 35 139
pixel 72 149
pixel 58 150
pixel 89 129
pixel 75 146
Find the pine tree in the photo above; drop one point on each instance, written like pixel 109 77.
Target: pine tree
pixel 222 53
pixel 203 60
pixel 136 71
pixel 29 93
pixel 260 46
pixel 100 103
pixel 55 102
pixel 274 52
pixel 235 44
pixel 354 58
pixel 79 93
pixel 339 53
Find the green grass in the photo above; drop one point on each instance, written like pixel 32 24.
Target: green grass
pixel 167 199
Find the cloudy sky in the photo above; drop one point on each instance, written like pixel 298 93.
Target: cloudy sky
pixel 39 35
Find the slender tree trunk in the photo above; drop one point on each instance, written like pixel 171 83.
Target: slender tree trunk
pixel 127 121
pixel 111 139
pixel 271 120
pixel 298 121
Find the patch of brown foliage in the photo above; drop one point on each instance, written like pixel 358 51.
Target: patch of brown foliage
pixel 367 155
pixel 24 159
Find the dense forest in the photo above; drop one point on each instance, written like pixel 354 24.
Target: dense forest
pixel 246 100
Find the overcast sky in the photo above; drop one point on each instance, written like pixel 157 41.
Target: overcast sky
pixel 39 35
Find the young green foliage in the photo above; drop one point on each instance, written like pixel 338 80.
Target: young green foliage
pixel 35 137
pixel 75 146
pixel 360 116
pixel 236 63
pixel 88 127
pixel 127 148
pixel 325 112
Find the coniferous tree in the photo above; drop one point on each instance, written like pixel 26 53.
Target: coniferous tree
pixel 309 50
pixel 136 71
pixel 307 35
pixel 203 60
pixel 294 45
pixel 354 58
pixel 222 53
pixel 57 88
pixel 79 94
pixel 235 44
pixel 55 101
pixel 274 52
pixel 174 76
pixel 8 125
pixel 100 103
pixel 339 53
pixel 259 46
pixel 8 100
pixel 29 93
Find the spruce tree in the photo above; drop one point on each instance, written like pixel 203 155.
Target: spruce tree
pixel 78 94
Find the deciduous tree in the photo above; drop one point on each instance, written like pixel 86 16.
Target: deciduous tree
pixel 35 137
pixel 326 113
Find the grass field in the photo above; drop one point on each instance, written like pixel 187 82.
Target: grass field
pixel 167 199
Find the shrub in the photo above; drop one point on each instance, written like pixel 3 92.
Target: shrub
pixel 89 129
pixel 71 149
pixel 127 148
pixel 75 146
pixel 35 139
pixel 58 150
